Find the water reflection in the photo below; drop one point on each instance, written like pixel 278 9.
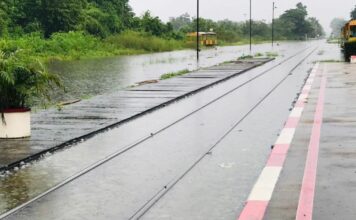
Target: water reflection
pixel 86 78
pixel 20 186
pixel 14 191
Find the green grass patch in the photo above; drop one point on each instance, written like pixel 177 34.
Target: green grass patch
pixel 333 41
pixel 271 54
pixel 174 74
pixel 78 45
pixel 331 61
pixel 244 57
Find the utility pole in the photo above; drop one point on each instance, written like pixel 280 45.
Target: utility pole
pixel 273 23
pixel 198 37
pixel 250 26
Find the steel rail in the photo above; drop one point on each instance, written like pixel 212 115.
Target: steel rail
pixel 142 140
pixel 168 187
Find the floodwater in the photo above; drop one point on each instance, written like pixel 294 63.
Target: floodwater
pixel 30 181
pixel 87 78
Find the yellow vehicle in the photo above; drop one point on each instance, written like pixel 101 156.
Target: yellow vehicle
pixel 348 39
pixel 208 39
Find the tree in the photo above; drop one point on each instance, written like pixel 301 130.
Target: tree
pixel 3 20
pixel 181 22
pixel 120 9
pixel 61 15
pixel 297 27
pixel 294 24
pixel 316 29
pixel 336 26
pixel 353 13
pixel 152 24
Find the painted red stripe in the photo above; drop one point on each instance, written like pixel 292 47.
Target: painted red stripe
pixel 292 122
pixel 254 210
pixel 280 149
pixel 276 160
pixel 306 199
pixel 278 155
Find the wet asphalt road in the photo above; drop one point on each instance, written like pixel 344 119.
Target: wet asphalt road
pixel 215 188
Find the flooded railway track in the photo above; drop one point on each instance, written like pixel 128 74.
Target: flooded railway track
pixel 169 186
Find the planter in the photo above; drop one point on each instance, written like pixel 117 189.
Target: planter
pixel 17 123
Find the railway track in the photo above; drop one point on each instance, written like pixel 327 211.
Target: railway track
pixel 156 197
pixel 150 203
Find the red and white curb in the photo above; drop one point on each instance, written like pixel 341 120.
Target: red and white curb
pixel 306 198
pixel 262 191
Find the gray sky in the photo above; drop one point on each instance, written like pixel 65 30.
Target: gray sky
pixel 237 10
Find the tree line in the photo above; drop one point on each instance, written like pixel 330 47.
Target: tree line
pixel 293 24
pixel 103 18
pixel 338 23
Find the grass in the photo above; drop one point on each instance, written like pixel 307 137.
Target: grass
pixel 333 40
pixel 174 74
pixel 77 45
pixel 258 55
pixel 243 41
pixel 271 54
pixel 244 57
pixel 331 61
pixel 143 41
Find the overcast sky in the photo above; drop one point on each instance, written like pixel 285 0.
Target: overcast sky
pixel 237 10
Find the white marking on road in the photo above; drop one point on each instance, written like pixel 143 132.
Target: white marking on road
pixel 263 189
pixel 286 136
pixel 303 98
pixel 298 111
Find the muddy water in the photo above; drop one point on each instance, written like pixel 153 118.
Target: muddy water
pixel 91 77
pixel 86 78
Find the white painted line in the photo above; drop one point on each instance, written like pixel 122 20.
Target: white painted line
pixel 297 111
pixel 316 66
pixel 264 187
pixel 286 136
pixel 310 81
pixel 303 98
pixel 307 87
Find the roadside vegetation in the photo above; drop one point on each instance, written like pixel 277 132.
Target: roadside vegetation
pixel 76 29
pixel 174 74
pixel 337 24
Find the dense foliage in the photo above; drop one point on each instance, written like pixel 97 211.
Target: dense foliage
pixel 72 29
pixel 336 25
pixel 103 18
pixel 353 13
pixel 294 24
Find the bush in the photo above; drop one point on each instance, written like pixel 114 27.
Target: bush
pixel 21 79
pixel 143 41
